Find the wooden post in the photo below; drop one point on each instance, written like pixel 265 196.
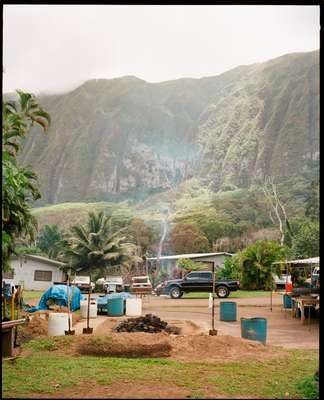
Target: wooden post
pixel 213 332
pixel 12 303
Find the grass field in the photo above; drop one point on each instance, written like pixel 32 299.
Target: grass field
pixel 32 294
pixel 37 294
pixel 283 378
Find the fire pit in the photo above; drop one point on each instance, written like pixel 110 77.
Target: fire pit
pixel 149 323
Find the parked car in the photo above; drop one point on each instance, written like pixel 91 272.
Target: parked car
pixel 201 281
pixel 113 284
pixel 313 281
pixel 83 283
pixel 281 280
pixel 141 284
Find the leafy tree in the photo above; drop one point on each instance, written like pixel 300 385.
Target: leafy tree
pixel 95 246
pixel 35 250
pixel 188 265
pixel 231 269
pixel 49 239
pixel 305 242
pixel 312 201
pixel 19 184
pixel 186 238
pixel 256 261
pixel 140 234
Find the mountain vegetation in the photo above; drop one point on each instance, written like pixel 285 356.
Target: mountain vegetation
pixel 204 148
pixel 127 139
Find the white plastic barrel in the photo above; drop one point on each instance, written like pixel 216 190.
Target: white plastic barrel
pixel 133 307
pixel 58 323
pixel 84 308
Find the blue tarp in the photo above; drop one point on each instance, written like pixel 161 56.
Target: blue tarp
pixel 58 293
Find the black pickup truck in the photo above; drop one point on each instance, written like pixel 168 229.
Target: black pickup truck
pixel 201 281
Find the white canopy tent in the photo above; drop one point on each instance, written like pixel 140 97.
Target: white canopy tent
pixel 294 263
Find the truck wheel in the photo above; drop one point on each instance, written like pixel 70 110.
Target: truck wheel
pixel 175 293
pixel 222 292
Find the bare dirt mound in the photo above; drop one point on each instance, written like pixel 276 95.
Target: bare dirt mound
pixel 37 326
pixel 202 347
pixel 225 348
pixel 127 345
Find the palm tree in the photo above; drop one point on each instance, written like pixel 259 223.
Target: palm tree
pixel 19 184
pixel 48 240
pixel 95 246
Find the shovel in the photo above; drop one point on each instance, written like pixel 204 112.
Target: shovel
pixel 88 330
pixel 69 332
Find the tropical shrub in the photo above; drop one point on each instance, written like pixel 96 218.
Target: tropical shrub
pixel 231 269
pixel 256 264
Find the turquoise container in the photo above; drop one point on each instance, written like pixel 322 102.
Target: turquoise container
pixel 287 303
pixel 254 329
pixel 228 311
pixel 115 307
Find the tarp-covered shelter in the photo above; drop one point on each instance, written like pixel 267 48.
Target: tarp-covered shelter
pixel 58 294
pixel 295 264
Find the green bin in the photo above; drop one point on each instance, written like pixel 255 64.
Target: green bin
pixel 287 303
pixel 254 329
pixel 227 311
pixel 115 307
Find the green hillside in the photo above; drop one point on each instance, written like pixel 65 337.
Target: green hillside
pixel 127 139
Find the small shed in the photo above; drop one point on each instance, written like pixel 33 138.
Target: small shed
pixel 169 263
pixel 34 272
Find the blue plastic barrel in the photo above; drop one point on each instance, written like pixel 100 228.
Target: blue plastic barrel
pixel 115 307
pixel 228 311
pixel 287 303
pixel 254 329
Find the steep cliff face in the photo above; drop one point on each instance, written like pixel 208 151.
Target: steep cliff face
pixel 126 138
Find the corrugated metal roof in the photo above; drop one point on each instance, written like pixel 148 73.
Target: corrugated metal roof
pixel 194 255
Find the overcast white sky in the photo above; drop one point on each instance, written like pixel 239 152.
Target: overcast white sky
pixel 57 47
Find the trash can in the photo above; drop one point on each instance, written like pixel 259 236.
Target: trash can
pixel 287 303
pixel 254 329
pixel 115 307
pixel 227 311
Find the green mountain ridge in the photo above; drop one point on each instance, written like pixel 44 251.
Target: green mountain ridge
pixel 128 139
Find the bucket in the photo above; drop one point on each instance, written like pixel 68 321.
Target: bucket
pixel 227 311
pixel 254 329
pixel 92 308
pixel 288 287
pixel 58 323
pixel 287 303
pixel 133 307
pixel 115 307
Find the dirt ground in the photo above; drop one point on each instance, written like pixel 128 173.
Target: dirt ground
pixel 194 317
pixel 282 328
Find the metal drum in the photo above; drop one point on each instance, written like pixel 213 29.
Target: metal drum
pixel 254 329
pixel 228 311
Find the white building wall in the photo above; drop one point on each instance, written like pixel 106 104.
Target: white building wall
pixel 24 271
